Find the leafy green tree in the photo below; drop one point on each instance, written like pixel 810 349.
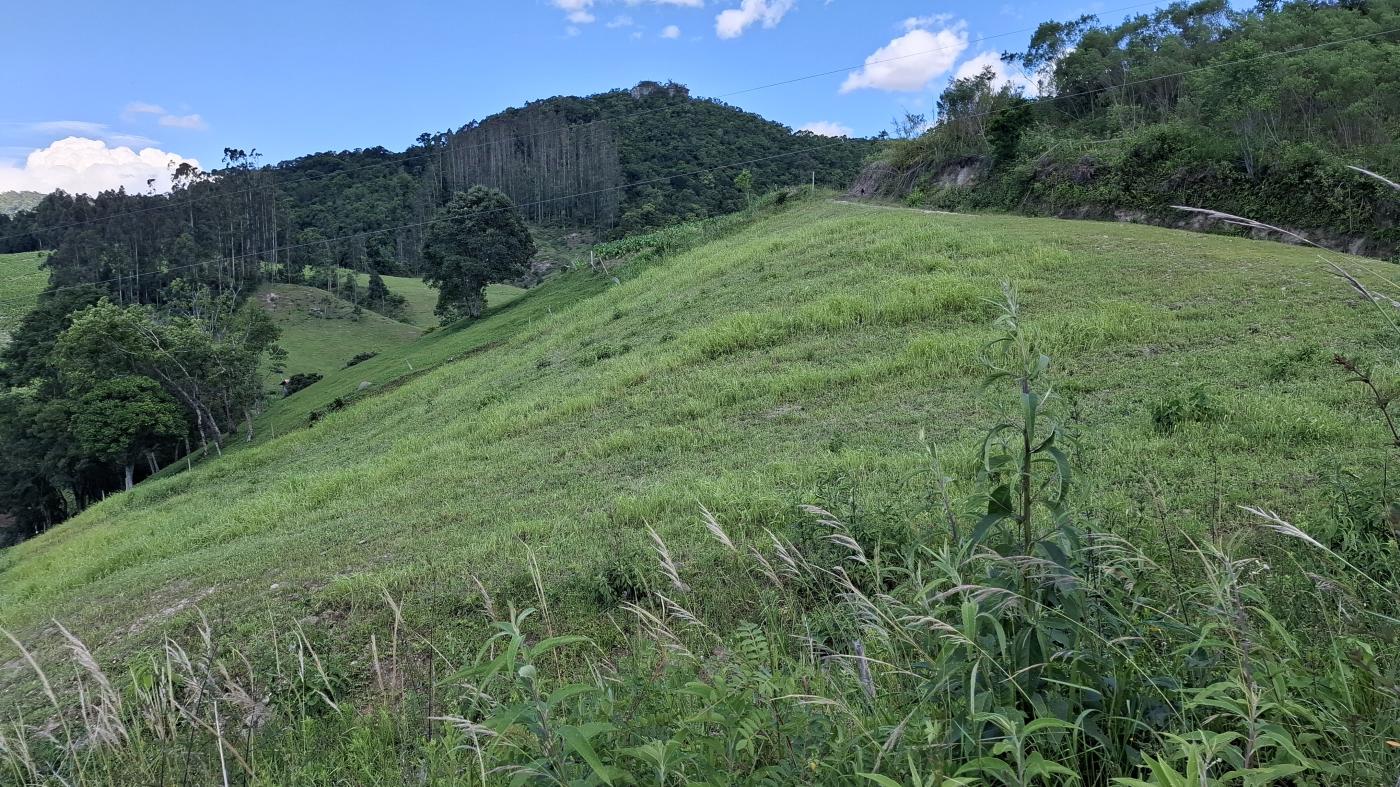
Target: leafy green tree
pixel 478 239
pixel 377 291
pixel 124 419
pixel 210 361
pixel 744 183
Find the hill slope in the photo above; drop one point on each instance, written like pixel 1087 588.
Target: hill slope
pixel 792 362
pixel 21 278
pixel 12 202
pixel 320 332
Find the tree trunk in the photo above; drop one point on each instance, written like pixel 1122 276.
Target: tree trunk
pixel 130 474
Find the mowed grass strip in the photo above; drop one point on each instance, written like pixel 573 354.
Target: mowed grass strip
pixel 794 361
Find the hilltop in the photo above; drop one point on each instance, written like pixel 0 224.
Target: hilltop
pixel 12 202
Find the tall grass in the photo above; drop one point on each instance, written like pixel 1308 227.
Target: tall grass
pixel 1010 640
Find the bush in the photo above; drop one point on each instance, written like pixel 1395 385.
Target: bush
pixel 299 381
pixel 359 359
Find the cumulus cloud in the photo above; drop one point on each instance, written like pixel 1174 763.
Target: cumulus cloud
pixel 88 166
pixel 910 62
pixel 1005 75
pixel 733 22
pixel 576 11
pixel 827 128
pixel 671 31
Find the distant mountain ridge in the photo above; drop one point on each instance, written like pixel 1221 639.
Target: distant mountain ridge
pixel 12 202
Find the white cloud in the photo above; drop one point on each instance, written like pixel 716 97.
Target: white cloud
pixel 130 140
pixel 621 20
pixel 88 166
pixel 671 31
pixel 827 128
pixel 733 22
pixel 580 12
pixel 67 127
pixel 909 63
pixel 136 108
pixel 1005 75
pixel 925 22
pixel 191 122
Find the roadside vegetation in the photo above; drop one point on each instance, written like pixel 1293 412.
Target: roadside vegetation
pixel 1255 111
pixel 835 495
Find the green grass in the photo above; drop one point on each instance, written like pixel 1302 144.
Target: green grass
pixel 21 278
pixel 422 298
pixel 320 332
pixel 793 361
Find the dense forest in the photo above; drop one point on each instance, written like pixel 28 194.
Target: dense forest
pixel 1255 112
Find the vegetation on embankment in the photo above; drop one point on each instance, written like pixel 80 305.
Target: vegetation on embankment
pixel 1257 113
pixel 792 361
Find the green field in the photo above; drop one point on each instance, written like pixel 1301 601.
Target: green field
pixel 21 278
pixel 754 374
pixel 794 361
pixel 320 332
pixel 422 298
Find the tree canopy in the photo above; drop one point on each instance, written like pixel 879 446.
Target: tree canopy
pixel 477 239
pixel 1255 112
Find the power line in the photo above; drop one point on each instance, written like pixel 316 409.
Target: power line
pixel 568 128
pixel 1047 99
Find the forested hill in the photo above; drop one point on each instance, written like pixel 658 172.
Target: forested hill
pixel 545 153
pixel 541 155
pixel 1255 112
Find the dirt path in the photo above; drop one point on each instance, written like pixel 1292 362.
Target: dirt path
pixel 895 207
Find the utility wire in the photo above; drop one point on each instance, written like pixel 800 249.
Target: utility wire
pixel 1047 99
pixel 513 138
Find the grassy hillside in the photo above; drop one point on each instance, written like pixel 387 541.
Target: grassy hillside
pixel 792 362
pixel 20 278
pixel 422 298
pixel 320 332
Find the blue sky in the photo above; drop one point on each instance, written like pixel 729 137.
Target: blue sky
pixel 190 78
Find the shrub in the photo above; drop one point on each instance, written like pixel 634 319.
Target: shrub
pixel 299 381
pixel 359 359
pixel 1193 406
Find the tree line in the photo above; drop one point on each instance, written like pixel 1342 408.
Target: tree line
pixel 1256 112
